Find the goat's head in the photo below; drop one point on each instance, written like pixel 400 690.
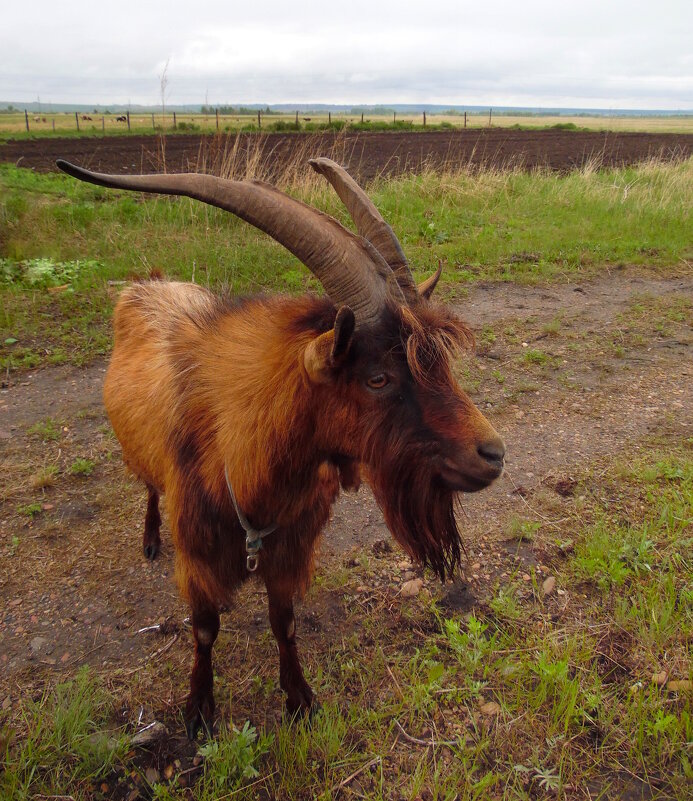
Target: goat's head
pixel 382 372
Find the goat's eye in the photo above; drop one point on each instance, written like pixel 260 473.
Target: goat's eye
pixel 377 381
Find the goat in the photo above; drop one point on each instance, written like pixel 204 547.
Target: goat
pixel 121 118
pixel 261 409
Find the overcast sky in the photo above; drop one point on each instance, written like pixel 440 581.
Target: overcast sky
pixel 580 53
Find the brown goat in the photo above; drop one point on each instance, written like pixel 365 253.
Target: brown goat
pixel 278 400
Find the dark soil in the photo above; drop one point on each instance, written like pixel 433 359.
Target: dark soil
pixel 366 155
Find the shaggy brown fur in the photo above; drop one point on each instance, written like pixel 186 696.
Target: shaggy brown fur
pixel 198 385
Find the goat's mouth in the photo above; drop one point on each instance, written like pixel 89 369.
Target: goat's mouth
pixel 469 478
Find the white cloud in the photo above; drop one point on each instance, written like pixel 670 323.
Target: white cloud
pixel 610 54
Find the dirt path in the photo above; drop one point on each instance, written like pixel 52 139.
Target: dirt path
pixel 364 154
pixel 568 374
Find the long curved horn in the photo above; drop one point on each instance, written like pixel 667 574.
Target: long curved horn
pixel 369 222
pixel 350 269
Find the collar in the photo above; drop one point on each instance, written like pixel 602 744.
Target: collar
pixel 253 537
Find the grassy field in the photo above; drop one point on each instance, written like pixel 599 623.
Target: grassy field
pixel 66 245
pixel 62 124
pixel 569 677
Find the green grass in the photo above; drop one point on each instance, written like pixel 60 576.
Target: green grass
pixel 62 241
pixel 82 467
pixel 65 744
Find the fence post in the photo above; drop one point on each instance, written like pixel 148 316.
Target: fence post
pixel 153 126
pixel 103 123
pixel 394 117
pixel 174 120
pixel 53 121
pixel 26 119
pixel 216 110
pixel 465 119
pixel 297 120
pixel 489 117
pixel 424 119
pixel 259 122
pixel 77 120
pixel 128 113
pixel 362 117
pixel 329 118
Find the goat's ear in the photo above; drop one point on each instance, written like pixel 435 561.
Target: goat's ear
pixel 326 352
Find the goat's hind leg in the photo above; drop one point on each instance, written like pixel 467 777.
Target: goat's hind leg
pixel 151 539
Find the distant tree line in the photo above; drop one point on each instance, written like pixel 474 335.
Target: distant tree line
pixel 235 110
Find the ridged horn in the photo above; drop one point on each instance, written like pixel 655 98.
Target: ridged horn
pixel 350 269
pixel 369 222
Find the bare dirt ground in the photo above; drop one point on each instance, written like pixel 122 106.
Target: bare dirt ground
pixel 614 366
pixel 364 154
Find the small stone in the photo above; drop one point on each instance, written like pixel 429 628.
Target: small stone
pixel 197 760
pixel 361 589
pixel 104 787
pixel 411 588
pixel 549 585
pixel 660 678
pixel 476 566
pixel 152 775
pixel 680 685
pixel 408 575
pixel 526 577
pixel 168 772
pixel 490 708
pixel 38 644
pixel 149 735
pixel 7 703
pixel 405 565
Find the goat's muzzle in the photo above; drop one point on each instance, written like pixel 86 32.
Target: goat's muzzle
pixel 474 468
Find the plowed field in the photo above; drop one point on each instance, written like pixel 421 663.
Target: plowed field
pixel 365 154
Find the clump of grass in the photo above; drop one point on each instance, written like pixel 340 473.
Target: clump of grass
pixel 82 467
pixel 30 509
pixel 45 477
pixel 48 430
pixel 230 760
pixel 67 741
pixel 521 530
pixel 533 356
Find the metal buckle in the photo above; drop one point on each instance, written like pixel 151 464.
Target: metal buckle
pixel 252 546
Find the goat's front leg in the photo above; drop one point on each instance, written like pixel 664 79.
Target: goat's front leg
pixel 300 699
pixel 199 710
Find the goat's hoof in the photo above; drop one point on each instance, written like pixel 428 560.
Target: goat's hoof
pixel 199 716
pixel 151 550
pixel 308 710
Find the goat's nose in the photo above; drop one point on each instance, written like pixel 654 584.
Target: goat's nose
pixel 493 452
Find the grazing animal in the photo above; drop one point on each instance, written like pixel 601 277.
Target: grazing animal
pixel 121 118
pixel 258 410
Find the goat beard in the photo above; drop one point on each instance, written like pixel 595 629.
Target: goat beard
pixel 419 511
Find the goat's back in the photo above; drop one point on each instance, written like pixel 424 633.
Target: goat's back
pixel 139 386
